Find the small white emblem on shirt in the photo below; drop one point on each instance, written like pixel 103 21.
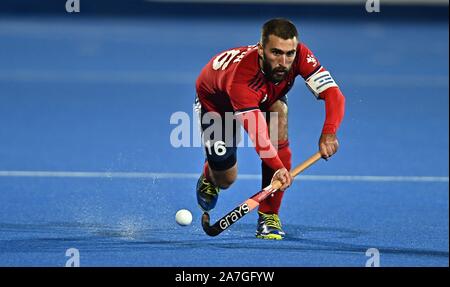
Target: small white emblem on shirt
pixel 311 59
pixel 264 99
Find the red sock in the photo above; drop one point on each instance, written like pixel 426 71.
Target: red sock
pixel 272 204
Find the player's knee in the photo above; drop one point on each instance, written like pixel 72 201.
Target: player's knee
pixel 283 123
pixel 283 130
pixel 283 109
pixel 279 107
pixel 279 128
pixel 226 178
pixel 226 182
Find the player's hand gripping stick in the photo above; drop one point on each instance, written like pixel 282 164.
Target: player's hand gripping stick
pixel 251 203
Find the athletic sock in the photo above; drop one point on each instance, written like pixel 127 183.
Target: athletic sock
pixel 271 205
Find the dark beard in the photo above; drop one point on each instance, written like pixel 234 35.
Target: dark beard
pixel 270 73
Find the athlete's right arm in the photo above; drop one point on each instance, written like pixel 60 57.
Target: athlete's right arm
pixel 255 125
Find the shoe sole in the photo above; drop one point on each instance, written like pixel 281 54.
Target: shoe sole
pixel 270 237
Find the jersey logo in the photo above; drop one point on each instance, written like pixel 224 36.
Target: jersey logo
pixel 311 59
pixel 264 99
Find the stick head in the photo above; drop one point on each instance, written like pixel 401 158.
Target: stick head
pixel 205 220
pixel 210 230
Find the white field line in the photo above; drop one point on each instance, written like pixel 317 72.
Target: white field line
pixel 159 175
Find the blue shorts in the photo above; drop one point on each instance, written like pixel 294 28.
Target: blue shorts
pixel 221 149
pixel 220 145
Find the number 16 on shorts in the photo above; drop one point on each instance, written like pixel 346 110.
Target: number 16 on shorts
pixel 218 148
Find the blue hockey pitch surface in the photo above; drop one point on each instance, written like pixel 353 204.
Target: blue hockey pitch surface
pixel 86 160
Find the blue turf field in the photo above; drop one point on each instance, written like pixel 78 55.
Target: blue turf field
pixel 96 96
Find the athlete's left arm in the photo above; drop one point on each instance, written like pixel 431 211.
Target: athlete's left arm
pixel 323 86
pixel 334 113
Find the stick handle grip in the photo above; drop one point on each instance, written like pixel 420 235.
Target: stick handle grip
pixel 299 168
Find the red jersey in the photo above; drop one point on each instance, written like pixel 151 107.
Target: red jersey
pixel 234 82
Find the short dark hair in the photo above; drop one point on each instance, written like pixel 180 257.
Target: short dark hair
pixel 279 27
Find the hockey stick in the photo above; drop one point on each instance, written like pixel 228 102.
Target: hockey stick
pixel 251 203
